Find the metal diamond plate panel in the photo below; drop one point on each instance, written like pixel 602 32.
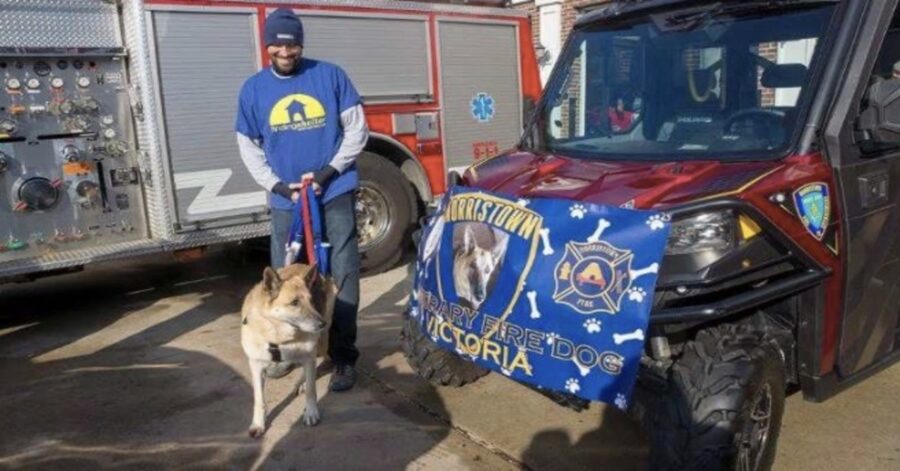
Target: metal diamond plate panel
pixel 159 212
pixel 112 251
pixel 59 23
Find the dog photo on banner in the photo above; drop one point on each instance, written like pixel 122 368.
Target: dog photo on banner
pixel 550 292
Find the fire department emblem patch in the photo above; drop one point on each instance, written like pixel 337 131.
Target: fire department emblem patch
pixel 813 208
pixel 593 277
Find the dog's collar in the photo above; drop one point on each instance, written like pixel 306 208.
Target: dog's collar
pixel 275 352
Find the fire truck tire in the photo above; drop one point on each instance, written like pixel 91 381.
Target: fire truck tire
pixel 722 406
pixel 440 367
pixel 385 213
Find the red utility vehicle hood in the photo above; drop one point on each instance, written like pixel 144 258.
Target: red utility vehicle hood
pixel 632 184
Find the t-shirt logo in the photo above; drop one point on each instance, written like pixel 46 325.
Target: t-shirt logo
pixel 297 112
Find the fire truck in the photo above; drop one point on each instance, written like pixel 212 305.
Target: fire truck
pixel 117 118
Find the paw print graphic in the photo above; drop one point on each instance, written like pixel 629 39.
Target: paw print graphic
pixel 657 221
pixel 459 351
pixel 592 326
pixel 577 211
pixel 505 371
pixel 621 402
pixel 522 202
pixel 636 294
pixel 551 337
pixel 572 385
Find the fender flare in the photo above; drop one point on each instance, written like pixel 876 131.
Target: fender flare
pixel 393 150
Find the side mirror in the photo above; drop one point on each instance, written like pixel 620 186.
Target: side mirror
pixel 453 179
pixel 879 123
pixel 528 108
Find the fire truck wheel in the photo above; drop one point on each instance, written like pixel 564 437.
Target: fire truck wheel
pixel 440 367
pixel 385 213
pixel 722 406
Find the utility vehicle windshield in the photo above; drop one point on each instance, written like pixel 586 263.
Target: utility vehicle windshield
pixel 730 80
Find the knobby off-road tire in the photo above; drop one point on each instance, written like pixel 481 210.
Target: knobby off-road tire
pixel 440 367
pixel 385 214
pixel 712 415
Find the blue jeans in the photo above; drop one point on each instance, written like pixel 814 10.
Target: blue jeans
pixel 340 232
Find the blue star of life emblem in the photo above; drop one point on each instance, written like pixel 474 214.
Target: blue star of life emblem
pixel 483 107
pixel 593 277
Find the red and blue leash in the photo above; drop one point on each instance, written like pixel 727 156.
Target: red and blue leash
pixel 307 226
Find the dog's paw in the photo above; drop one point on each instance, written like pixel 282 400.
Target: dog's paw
pixel 256 432
pixel 311 417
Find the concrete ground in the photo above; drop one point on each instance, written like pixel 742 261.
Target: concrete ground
pixel 138 365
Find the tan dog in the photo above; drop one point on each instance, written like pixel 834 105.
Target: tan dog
pixel 286 318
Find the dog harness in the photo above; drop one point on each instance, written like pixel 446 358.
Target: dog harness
pixel 275 352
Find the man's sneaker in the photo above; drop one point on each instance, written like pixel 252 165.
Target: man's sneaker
pixel 344 378
pixel 279 369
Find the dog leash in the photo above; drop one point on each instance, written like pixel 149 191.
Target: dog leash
pixel 307 225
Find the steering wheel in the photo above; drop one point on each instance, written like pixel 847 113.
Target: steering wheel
pixel 769 120
pixel 768 114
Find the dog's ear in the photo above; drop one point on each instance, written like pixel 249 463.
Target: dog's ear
pixel 309 278
pixel 500 243
pixel 271 282
pixel 468 241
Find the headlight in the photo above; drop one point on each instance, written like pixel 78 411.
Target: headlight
pixel 705 231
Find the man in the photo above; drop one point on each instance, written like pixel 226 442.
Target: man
pixel 302 120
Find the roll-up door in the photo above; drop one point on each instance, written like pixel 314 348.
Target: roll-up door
pixel 203 58
pixel 481 92
pixel 386 58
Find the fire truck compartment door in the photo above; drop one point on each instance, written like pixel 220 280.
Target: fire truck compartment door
pixel 481 91
pixel 387 58
pixel 202 59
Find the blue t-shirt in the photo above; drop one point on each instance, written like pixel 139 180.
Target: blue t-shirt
pixel 298 121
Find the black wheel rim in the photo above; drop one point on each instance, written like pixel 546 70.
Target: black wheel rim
pixel 755 435
pixel 373 216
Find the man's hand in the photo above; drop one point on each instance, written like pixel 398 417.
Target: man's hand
pixel 307 179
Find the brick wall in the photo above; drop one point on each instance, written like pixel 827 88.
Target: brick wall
pixel 570 10
pixel 767 95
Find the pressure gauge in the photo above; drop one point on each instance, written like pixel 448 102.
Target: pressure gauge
pixel 66 107
pixel 33 83
pixel 84 82
pixel 109 133
pixel 13 84
pixel 57 82
pixel 107 119
pixel 7 126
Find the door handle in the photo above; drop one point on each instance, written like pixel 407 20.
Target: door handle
pixel 873 189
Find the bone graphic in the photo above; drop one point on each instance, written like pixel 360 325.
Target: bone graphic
pixel 619 339
pixel 532 299
pixel 545 238
pixel 581 368
pixel 635 274
pixel 602 225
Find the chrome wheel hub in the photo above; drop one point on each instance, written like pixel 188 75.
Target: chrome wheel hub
pixel 373 217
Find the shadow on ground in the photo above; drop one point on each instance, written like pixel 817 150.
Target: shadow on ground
pixel 138 365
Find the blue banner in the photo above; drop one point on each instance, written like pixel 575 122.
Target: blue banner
pixel 551 292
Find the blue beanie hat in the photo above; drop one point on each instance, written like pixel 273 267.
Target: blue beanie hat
pixel 283 27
